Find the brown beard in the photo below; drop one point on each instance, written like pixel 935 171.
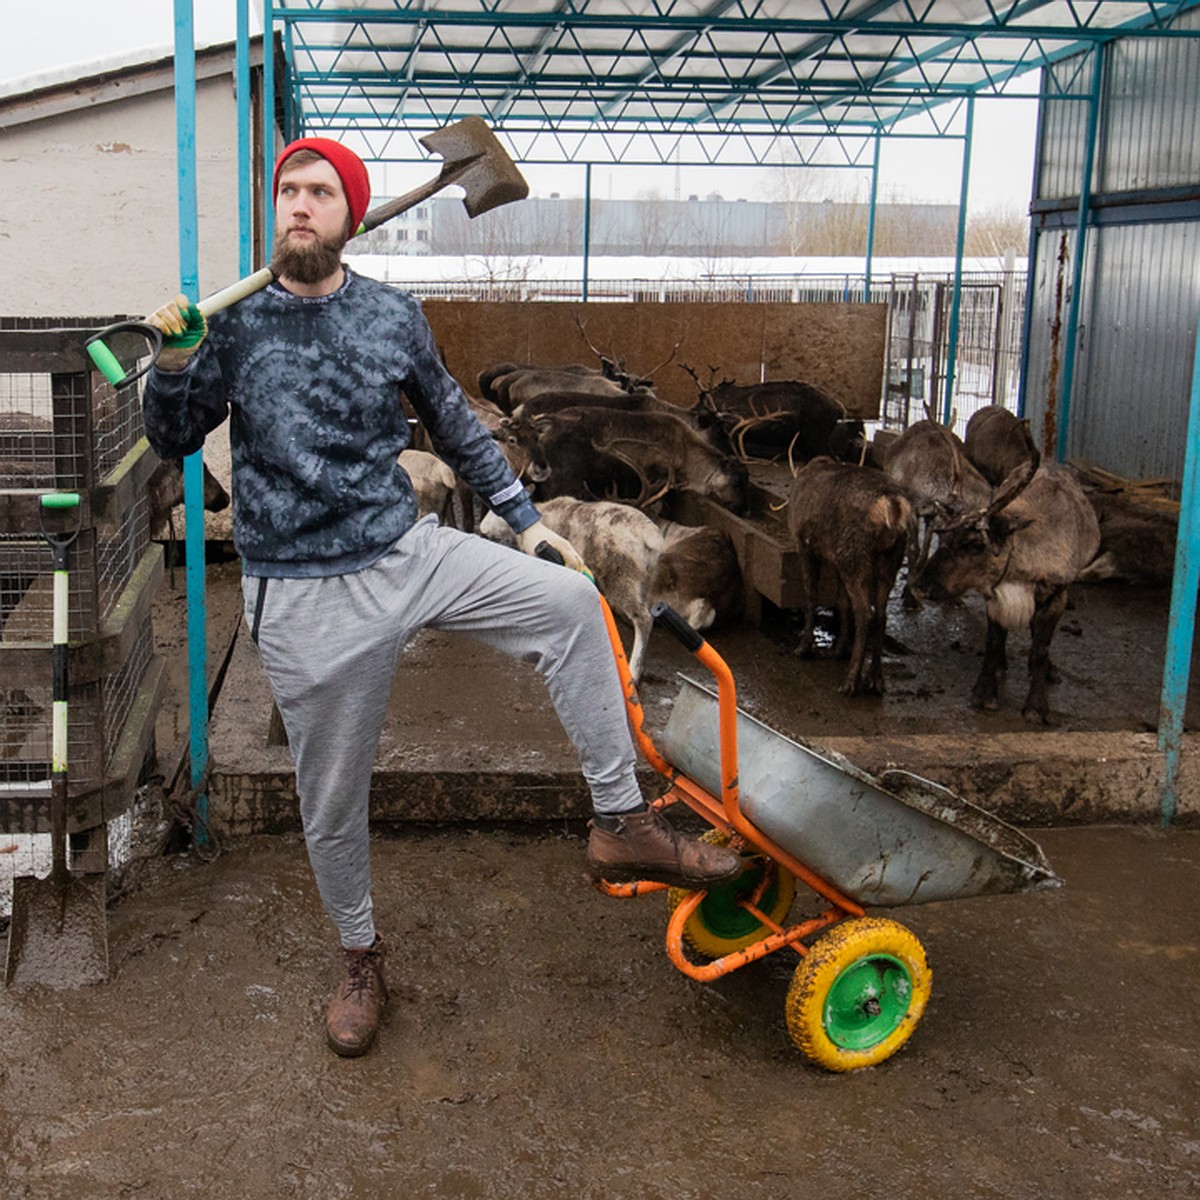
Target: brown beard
pixel 307 263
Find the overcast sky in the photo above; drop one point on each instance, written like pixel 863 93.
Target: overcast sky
pixel 68 37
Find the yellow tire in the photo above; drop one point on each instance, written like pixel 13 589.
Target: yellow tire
pixel 858 994
pixel 720 925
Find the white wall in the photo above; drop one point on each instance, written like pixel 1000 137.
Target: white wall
pixel 89 217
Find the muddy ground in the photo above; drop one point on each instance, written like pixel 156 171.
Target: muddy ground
pixel 539 1043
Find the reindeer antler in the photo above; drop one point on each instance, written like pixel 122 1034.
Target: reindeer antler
pixel 1013 484
pixel 665 362
pixel 581 325
pixel 738 431
pixel 646 495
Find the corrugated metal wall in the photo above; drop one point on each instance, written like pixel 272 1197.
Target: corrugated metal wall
pixel 1150 114
pixel 1063 126
pixel 1140 296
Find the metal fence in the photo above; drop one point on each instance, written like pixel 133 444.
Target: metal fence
pixel 988 352
pixel 990 322
pixel 63 428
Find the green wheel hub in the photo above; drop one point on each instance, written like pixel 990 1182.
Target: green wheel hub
pixel 867 1002
pixel 724 917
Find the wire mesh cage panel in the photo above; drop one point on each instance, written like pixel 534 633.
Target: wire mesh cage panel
pixel 63 428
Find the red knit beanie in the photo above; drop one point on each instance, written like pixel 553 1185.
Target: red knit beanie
pixel 356 183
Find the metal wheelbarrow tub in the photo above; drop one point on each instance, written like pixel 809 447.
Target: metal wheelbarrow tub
pixel 883 842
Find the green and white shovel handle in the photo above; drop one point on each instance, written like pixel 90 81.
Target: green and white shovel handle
pixel 471 158
pixel 147 340
pixel 59 542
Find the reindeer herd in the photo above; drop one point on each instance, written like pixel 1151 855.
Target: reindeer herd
pixel 601 453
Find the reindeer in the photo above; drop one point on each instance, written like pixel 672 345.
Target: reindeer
pixel 621 547
pixel 1019 551
pixel 522 383
pixel 642 402
pixel 433 483
pixel 510 385
pixel 929 463
pixel 859 522
pixel 779 417
pixel 997 442
pixel 595 453
pixel 698 574
pixel 164 491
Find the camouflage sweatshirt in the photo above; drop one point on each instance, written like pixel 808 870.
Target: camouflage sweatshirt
pixel 312 386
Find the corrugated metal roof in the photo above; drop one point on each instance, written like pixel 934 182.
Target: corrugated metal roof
pixel 676 80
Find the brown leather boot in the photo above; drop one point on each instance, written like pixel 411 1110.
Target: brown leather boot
pixel 353 1017
pixel 646 846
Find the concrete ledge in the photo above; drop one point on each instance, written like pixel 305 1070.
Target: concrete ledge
pixel 471 736
pixel 439 760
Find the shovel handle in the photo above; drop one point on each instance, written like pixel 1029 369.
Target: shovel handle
pixel 59 542
pixel 230 295
pixel 676 626
pixel 60 500
pixel 109 365
pixel 106 361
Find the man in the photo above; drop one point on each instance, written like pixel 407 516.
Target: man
pixel 338 572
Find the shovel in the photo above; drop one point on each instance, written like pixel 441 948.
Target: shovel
pixel 472 157
pixel 58 935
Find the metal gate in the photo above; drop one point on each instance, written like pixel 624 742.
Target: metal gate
pixel 988 354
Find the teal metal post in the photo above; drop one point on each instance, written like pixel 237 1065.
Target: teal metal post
pixel 268 123
pixel 956 301
pixel 587 225
pixel 244 143
pixel 1031 266
pixel 293 116
pixel 1081 226
pixel 871 222
pixel 1181 631
pixel 193 465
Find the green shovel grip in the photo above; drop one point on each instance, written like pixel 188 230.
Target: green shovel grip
pixel 60 500
pixel 106 362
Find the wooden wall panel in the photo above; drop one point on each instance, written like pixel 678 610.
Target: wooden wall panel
pixel 839 347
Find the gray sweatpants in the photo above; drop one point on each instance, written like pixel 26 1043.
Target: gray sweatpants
pixel 330 646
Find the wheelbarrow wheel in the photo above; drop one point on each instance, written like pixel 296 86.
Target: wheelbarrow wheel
pixel 720 925
pixel 858 994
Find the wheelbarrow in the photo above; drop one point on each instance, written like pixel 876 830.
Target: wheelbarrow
pixel 798 815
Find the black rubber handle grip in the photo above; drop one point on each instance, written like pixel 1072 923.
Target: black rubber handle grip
pixel 676 626
pixel 548 552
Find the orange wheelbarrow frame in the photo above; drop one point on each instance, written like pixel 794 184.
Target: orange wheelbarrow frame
pixel 721 813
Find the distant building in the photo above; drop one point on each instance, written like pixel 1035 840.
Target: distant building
pixel 693 227
pixel 409 233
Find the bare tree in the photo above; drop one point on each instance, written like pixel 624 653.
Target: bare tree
pixel 656 228
pixel 795 187
pixel 992 231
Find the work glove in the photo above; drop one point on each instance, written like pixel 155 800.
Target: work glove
pixel 183 328
pixel 530 539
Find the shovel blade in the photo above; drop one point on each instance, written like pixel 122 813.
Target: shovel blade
pixel 58 935
pixel 473 158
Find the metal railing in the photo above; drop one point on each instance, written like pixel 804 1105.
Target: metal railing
pixel 987 361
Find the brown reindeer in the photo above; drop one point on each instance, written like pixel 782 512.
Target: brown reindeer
pixel 859 522
pixel 997 442
pixel 1020 551
pixel 779 418
pixel 929 463
pixel 597 453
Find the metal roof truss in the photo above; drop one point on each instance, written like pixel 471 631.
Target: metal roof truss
pixel 695 81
